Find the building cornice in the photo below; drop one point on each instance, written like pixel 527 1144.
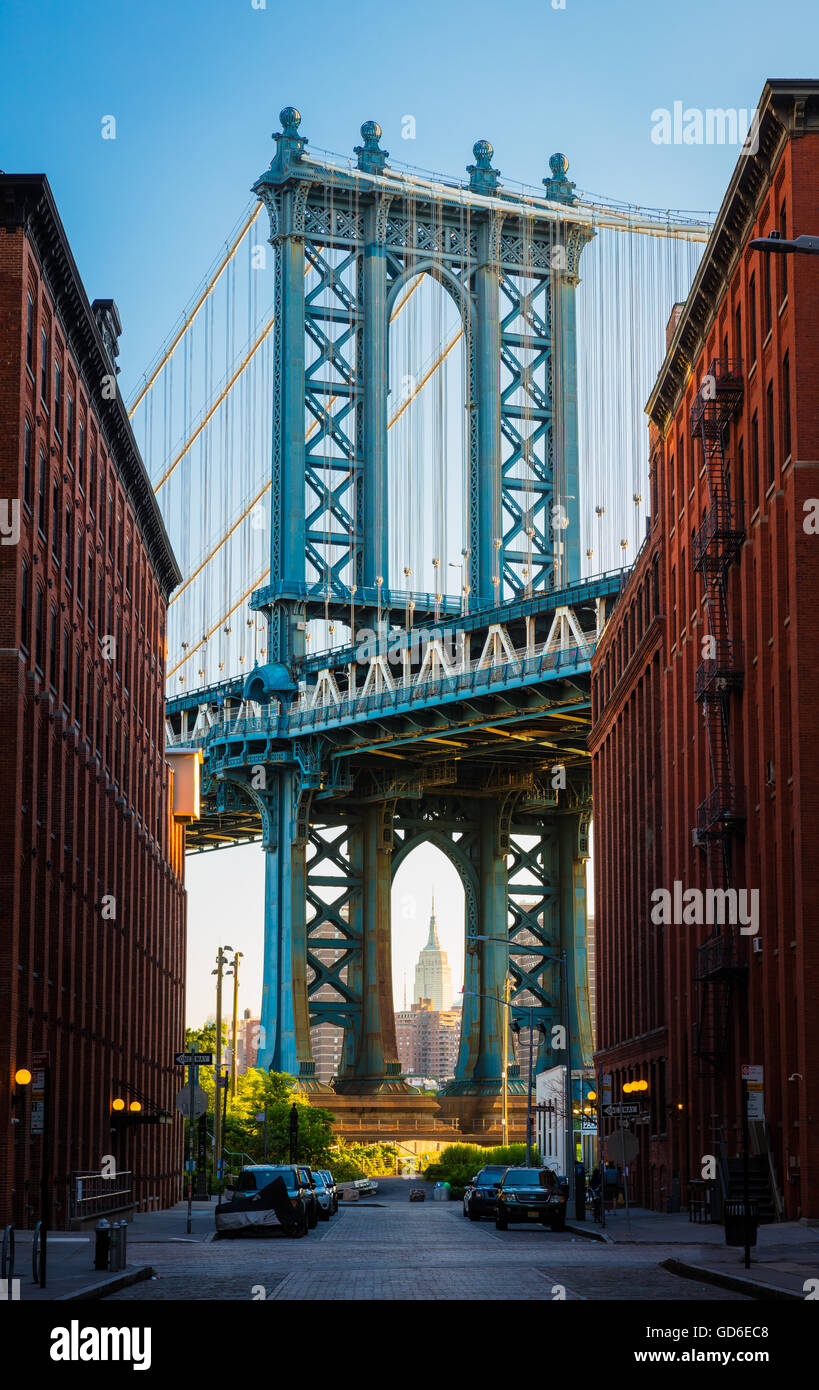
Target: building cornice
pixel 27 204
pixel 787 109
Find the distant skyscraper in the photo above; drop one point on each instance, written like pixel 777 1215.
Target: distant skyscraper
pixel 433 977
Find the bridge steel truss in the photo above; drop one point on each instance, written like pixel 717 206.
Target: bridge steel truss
pixel 470 734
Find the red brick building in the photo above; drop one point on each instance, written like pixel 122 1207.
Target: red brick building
pixel 706 736
pixel 92 938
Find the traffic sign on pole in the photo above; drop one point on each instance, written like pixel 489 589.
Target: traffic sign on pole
pixel 192 1099
pixel 623 1108
pixel 193 1059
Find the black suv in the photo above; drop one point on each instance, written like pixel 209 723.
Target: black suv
pixel 531 1194
pixel 298 1181
pixel 480 1197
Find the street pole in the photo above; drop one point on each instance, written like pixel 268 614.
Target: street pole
pixel 505 1110
pixel 217 1116
pixel 192 1070
pixel 529 1091
pixel 45 1203
pixel 236 958
pixel 746 1181
pixel 564 980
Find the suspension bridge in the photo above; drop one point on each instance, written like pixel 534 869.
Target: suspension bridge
pixel 391 600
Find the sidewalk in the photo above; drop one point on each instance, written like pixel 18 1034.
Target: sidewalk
pixel 785 1256
pixel 70 1264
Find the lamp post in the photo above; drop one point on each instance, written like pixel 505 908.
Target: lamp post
pixel 221 961
pixel 560 957
pixel 235 969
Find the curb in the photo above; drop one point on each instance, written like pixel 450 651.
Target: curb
pixel 113 1285
pixel 754 1288
pixel 589 1233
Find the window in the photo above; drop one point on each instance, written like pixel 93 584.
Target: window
pixel 41 495
pixel 672 479
pixel 752 318
pixel 111 524
pixel 102 505
pixel 68 546
pixel 786 405
pixel 77 684
pixel 741 479
pixel 127 660
pixel 91 586
pixel 92 479
pixel 673 604
pixel 738 332
pixel 30 333
pixel 767 284
pixel 100 599
pixel 89 695
pixel 79 566
pixel 55 520
pixel 52 653
pixel 783 260
pixel 683 609
pixel 44 367
pixel 128 549
pixel 27 467
pixel 99 721
pixel 66 669
pixel 39 631
pixel 69 428
pixel 681 456
pixel 58 400
pixel 25 606
pixel 107 734
pixel 119 546
pixel 754 497
pixel 81 457
pixel 771 437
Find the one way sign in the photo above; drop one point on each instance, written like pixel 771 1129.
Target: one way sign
pixel 193 1059
pixel 625 1108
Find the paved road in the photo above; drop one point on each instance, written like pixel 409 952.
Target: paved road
pixel 394 1249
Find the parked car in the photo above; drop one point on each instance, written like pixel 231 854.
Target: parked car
pixel 480 1197
pixel 265 1197
pixel 324 1195
pixel 306 1175
pixel 332 1185
pixel 531 1194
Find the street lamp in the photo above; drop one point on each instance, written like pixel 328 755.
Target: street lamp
pixel 804 245
pixel 561 957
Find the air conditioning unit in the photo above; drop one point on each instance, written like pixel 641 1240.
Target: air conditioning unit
pixel 757 946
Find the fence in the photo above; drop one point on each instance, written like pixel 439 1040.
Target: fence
pixel 94 1194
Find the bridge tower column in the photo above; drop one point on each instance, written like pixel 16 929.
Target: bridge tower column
pixel 374 375
pixel 487 562
pixel 574 835
pixel 285 1023
pixel 372 1057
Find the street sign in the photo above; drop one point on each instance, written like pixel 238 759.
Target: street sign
pixel 183 1101
pixel 642 1119
pixel 625 1107
pixel 755 1091
pixel 622 1147
pixel 40 1059
pixel 193 1059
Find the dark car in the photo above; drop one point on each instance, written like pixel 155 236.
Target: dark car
pixel 311 1200
pixel 331 1185
pixel 265 1196
pixel 531 1194
pixel 480 1197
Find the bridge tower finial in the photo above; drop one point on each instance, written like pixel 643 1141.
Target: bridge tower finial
pixel 482 177
pixel 558 187
pixel 289 144
pixel 371 158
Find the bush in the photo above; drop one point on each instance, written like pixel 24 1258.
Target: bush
pixel 458 1163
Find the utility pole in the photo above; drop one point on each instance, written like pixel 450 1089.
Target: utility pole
pixel 221 961
pixel 237 956
pixel 505 1110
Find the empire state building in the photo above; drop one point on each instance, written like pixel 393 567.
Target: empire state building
pixel 433 977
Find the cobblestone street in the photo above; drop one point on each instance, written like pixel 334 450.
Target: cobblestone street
pixel 394 1249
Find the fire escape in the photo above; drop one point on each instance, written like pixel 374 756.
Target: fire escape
pixel 721 968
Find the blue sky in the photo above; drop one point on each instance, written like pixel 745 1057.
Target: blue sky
pixel 196 89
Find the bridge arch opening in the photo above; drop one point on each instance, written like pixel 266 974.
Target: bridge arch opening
pixel 428 946
pixel 427 448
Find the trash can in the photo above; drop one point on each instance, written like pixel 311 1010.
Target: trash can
pixel 735 1223
pixel 440 1192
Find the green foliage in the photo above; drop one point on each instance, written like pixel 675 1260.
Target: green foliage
pixel 350 1161
pixel 458 1163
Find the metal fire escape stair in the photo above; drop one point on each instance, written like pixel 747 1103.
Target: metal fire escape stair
pixel 721 968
